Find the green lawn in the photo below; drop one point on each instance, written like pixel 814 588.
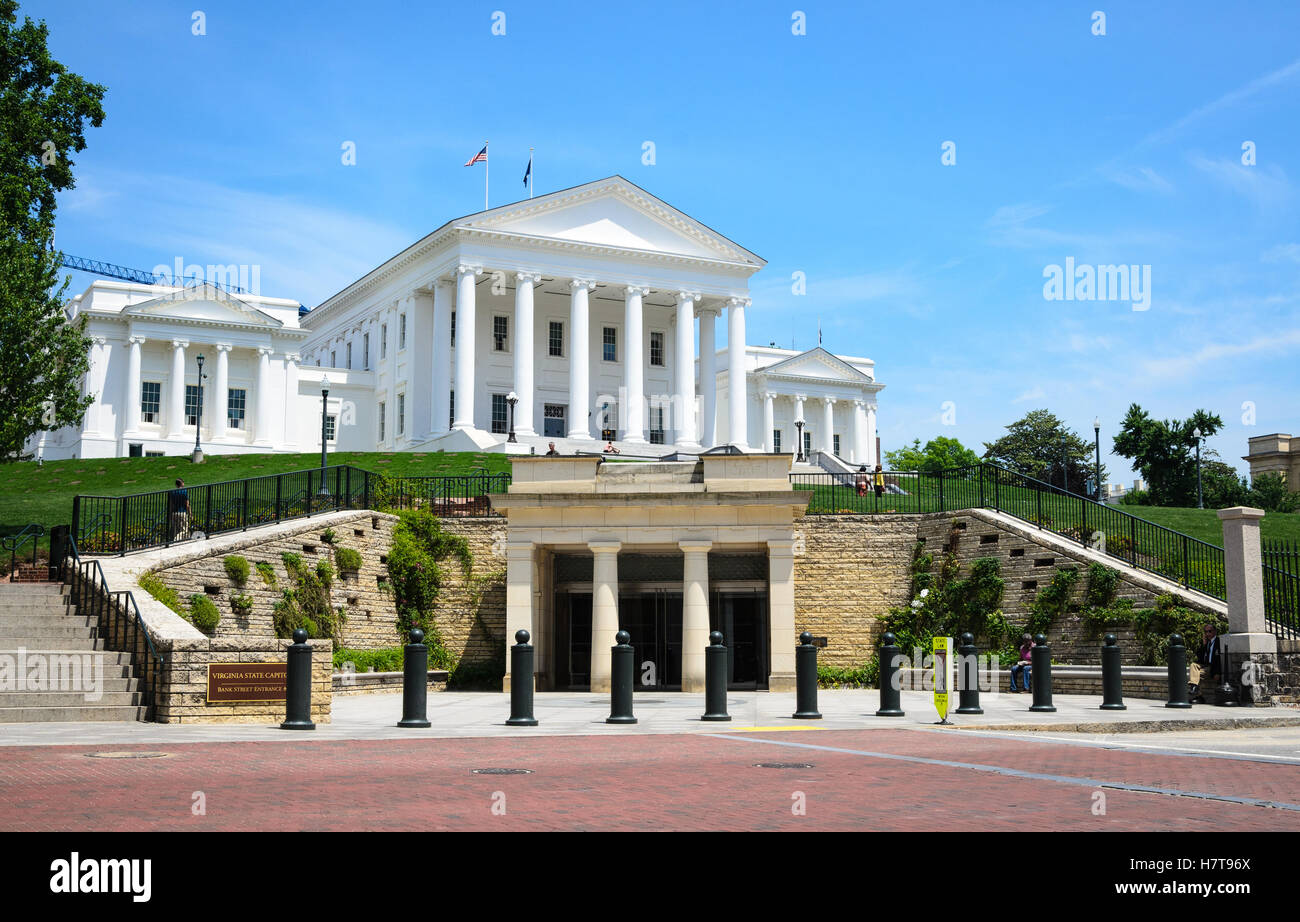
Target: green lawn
pixel 1204 523
pixel 44 494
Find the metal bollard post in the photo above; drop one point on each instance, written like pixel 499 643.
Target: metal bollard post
pixel 1177 673
pixel 891 698
pixel 805 679
pixel 1112 677
pixel 620 686
pixel 1041 663
pixel 415 682
pixel 297 698
pixel 521 682
pixel 969 688
pixel 715 679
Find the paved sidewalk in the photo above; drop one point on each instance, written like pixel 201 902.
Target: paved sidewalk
pixel 483 714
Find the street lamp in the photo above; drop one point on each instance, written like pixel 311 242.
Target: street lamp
pixel 798 425
pixel 1096 431
pixel 1065 467
pixel 197 456
pixel 324 444
pixel 1200 502
pixel 512 398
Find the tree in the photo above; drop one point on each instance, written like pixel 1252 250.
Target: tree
pixel 939 454
pixel 1164 452
pixel 44 110
pixel 1221 485
pixel 1271 494
pixel 1040 446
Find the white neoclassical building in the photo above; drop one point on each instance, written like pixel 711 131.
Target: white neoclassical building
pixel 582 316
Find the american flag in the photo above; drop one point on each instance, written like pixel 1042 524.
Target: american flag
pixel 480 157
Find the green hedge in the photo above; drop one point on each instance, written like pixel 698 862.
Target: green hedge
pixel 204 614
pixel 237 569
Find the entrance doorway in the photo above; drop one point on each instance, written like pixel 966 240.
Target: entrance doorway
pixel 654 619
pixel 741 616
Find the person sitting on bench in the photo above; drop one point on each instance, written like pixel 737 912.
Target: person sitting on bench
pixel 1207 664
pixel 1022 667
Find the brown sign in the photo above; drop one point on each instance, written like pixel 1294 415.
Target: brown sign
pixel 246 682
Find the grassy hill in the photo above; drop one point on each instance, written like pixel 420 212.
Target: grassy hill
pixel 44 494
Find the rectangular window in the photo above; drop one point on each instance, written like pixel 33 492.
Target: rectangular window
pixel 656 348
pixel 334 359
pixel 499 413
pixel 401 413
pixel 807 442
pixel 610 337
pixel 656 425
pixel 191 405
pixel 451 416
pixel 349 355
pixel 836 449
pixel 330 428
pixel 383 341
pixel 500 331
pixel 365 351
pixel 557 339
pixel 382 407
pixel 135 450
pixel 453 329
pixel 553 420
pixel 236 402
pixel 155 454
pixel 776 440
pixel 150 397
pixel 401 331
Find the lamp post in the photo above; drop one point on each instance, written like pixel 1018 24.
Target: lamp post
pixel 1065 467
pixel 1096 431
pixel 798 425
pixel 1200 502
pixel 512 398
pixel 197 456
pixel 324 444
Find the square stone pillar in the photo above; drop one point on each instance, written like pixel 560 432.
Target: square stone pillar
pixel 519 601
pixel 780 603
pixel 604 611
pixel 1252 648
pixel 695 612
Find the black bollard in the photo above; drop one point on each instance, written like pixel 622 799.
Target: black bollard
pixel 1040 660
pixel 1112 677
pixel 715 679
pixel 1177 673
pixel 620 686
pixel 521 682
pixel 297 698
pixel 805 679
pixel 415 682
pixel 891 697
pixel 969 687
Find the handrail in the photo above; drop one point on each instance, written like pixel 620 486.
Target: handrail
pixel 12 543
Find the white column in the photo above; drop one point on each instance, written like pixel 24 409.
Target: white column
pixel 519 603
pixel 525 355
pixel 737 395
pixel 262 422
pixel 442 359
pixel 465 276
pixel 858 456
pixel 871 435
pixel 634 365
pixel 291 409
pixel 221 393
pixel 708 376
pixel 695 613
pixel 769 422
pixel 176 406
pixel 685 367
pixel 828 424
pixel 132 400
pixel 780 580
pixel 604 611
pixel 93 386
pixel 580 363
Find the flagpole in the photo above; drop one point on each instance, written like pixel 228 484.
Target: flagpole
pixel 530 172
pixel 487 163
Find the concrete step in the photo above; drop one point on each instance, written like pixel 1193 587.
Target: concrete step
pixel 47 630
pixel 115 662
pixel 59 643
pixel 44 603
pixel 68 699
pixel 19 715
pixel 30 590
pixel 19 624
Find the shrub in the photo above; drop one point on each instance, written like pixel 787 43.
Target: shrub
pixel 328 536
pixel 865 676
pixel 1053 601
pixel 236 569
pixel 241 604
pixel 415 569
pixel 307 604
pixel 1102 584
pixel 152 584
pixel 348 559
pixel 387 659
pixel 204 614
pixel 267 572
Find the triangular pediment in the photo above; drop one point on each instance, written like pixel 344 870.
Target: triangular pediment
pixel 611 213
pixel 815 363
pixel 203 302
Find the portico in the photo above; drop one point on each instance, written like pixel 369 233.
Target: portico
pixel 666 551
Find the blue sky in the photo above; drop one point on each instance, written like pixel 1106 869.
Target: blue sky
pixel 820 152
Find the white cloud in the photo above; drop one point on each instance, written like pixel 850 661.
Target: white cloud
pixel 1283 252
pixel 1266 186
pixel 1281 75
pixel 1196 363
pixel 1139 179
pixel 1034 393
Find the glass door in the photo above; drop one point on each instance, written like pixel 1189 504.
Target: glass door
pixel 741 616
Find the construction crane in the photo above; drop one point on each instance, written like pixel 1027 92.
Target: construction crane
pixel 112 270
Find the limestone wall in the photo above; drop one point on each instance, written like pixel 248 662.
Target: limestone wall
pixel 475 628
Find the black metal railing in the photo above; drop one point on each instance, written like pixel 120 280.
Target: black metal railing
pixel 1281 561
pixel 30 534
pixel 122 524
pixel 116 617
pixel 1189 561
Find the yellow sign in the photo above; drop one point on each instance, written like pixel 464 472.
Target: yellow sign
pixel 943 664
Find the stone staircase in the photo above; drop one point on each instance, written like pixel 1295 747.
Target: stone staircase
pixel 53 667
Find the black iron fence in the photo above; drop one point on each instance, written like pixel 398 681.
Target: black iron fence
pixel 1282 586
pixel 121 524
pixel 1146 545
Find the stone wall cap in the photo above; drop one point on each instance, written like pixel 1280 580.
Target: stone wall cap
pixel 1240 512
